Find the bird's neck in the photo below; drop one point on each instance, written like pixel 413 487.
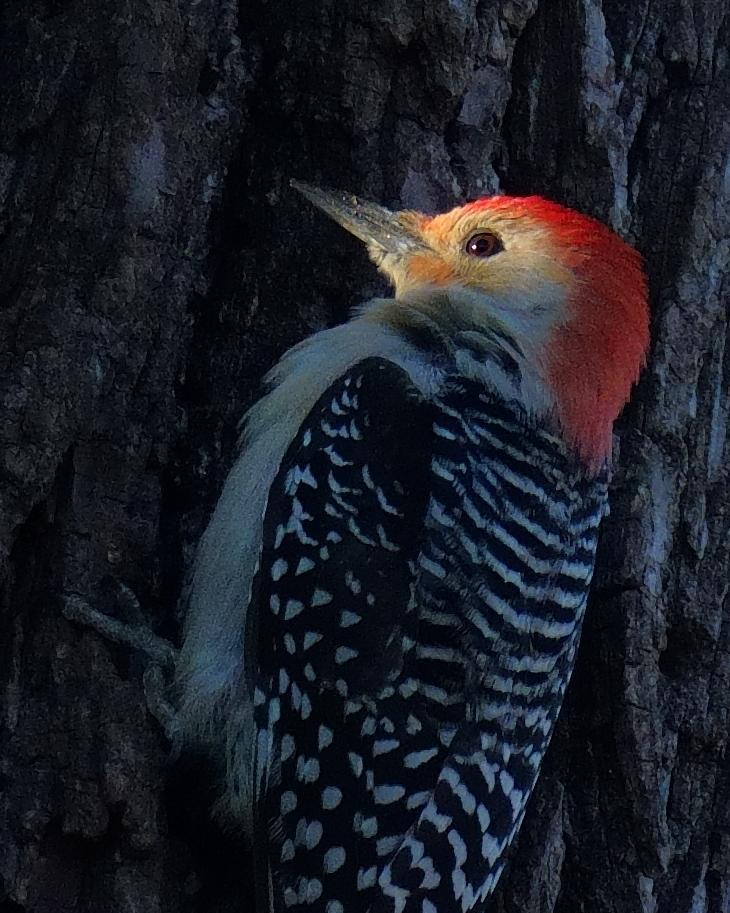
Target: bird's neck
pixel 428 342
pixel 488 352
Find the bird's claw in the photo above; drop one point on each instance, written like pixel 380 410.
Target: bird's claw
pixel 162 655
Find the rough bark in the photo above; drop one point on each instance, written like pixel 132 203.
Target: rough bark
pixel 154 263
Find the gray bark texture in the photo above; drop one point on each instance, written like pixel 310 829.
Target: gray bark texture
pixel 155 262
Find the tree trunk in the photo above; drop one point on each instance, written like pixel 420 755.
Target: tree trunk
pixel 154 264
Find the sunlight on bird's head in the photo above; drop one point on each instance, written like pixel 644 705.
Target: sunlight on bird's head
pixel 565 288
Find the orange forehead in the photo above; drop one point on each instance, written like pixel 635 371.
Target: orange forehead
pixel 556 222
pixel 572 234
pixel 439 230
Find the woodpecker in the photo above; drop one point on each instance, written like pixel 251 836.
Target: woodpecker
pixel 386 606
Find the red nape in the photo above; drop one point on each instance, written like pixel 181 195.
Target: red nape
pixel 594 358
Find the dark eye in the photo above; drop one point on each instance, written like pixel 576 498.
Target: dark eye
pixel 483 244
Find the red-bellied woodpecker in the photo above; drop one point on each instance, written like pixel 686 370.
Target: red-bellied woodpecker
pixel 387 604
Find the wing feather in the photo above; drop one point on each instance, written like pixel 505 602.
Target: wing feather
pixel 414 622
pixel 331 625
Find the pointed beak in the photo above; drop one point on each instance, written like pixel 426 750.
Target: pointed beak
pixel 380 228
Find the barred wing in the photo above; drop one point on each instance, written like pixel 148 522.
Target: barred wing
pixel 511 533
pixel 416 615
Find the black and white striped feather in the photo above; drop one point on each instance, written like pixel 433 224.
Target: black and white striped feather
pixel 413 625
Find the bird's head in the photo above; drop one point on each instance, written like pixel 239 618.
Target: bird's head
pixel 568 293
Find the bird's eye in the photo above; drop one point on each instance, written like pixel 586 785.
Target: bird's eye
pixel 483 244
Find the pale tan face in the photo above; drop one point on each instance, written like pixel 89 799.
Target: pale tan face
pixel 519 269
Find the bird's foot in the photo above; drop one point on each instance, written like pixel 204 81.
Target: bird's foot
pixel 162 655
